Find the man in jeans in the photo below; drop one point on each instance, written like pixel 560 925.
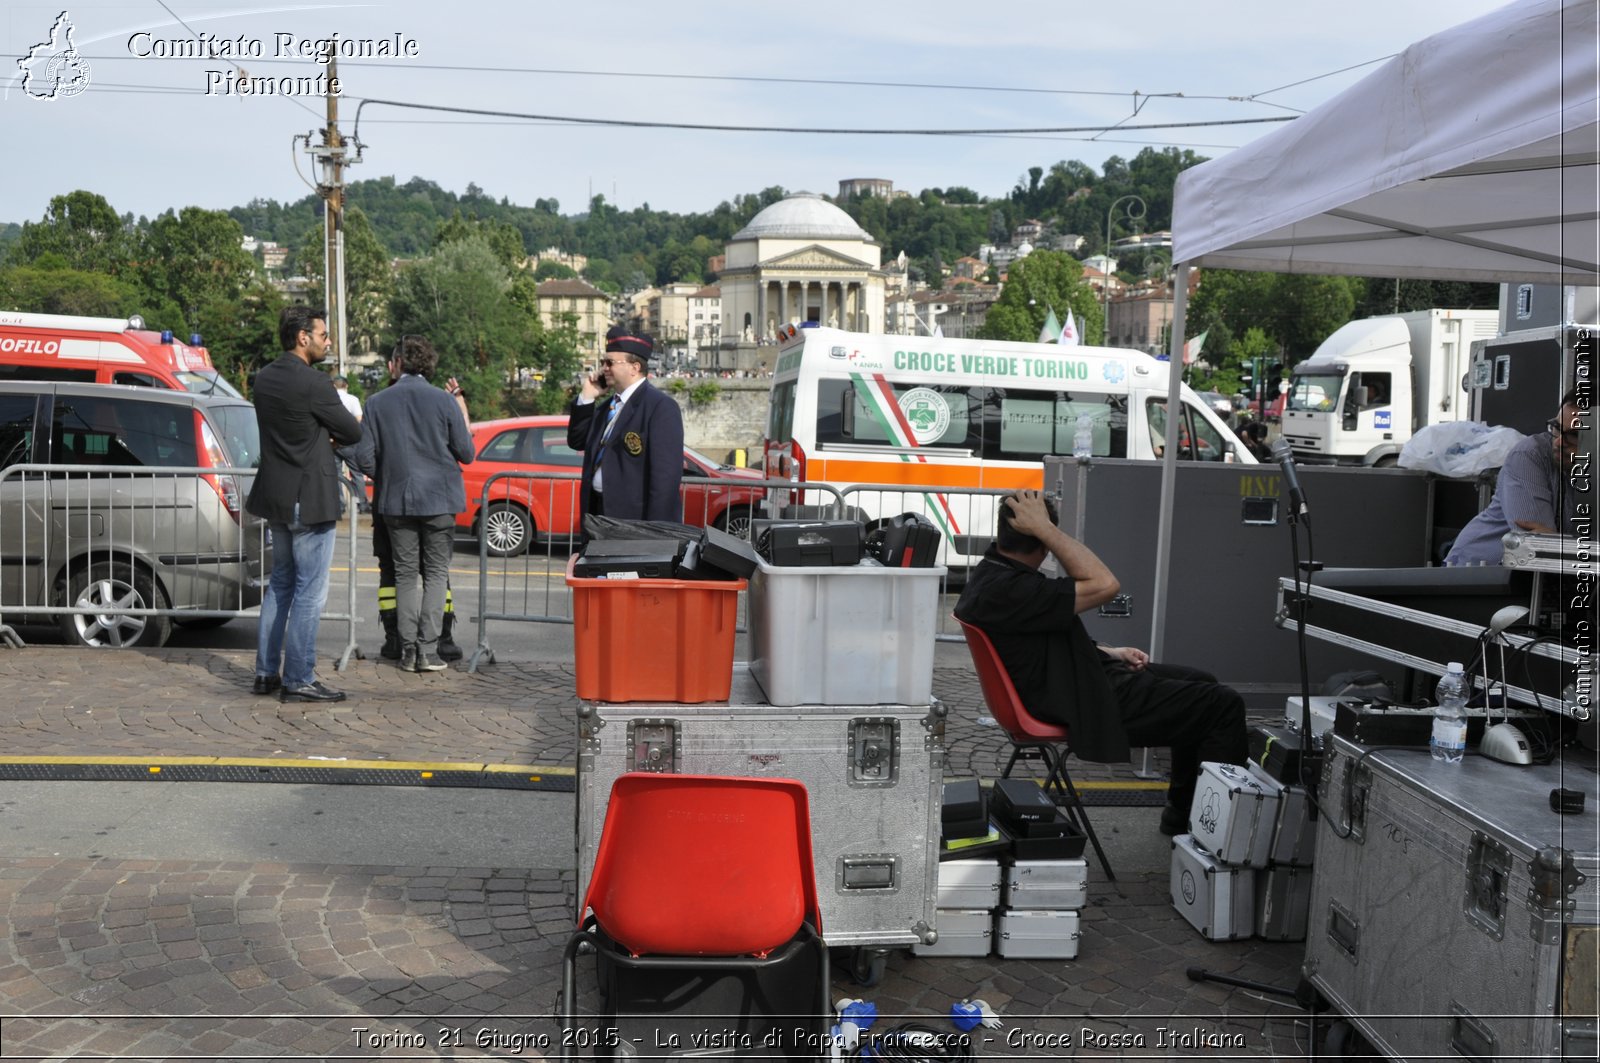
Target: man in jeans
pixel 413 445
pixel 296 491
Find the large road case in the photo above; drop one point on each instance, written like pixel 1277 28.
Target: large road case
pixel 874 775
pixel 1453 912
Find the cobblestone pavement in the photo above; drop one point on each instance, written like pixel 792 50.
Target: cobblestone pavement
pixel 146 959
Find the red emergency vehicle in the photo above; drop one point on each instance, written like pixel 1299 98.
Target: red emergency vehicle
pixel 103 350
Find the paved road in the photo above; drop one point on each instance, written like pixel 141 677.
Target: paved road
pixel 274 921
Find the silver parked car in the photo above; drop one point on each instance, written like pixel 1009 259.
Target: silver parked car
pixel 89 520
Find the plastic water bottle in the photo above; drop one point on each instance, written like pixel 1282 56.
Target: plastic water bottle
pixel 1083 439
pixel 1449 741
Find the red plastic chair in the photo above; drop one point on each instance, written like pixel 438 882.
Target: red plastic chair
pixel 1031 738
pixel 703 902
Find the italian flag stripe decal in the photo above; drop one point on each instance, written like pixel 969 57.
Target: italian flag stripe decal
pixel 878 396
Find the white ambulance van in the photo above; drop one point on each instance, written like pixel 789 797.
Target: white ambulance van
pixel 942 418
pixel 103 350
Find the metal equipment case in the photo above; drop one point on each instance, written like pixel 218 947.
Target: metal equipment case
pixel 1041 935
pixel 1216 899
pixel 1452 909
pixel 873 773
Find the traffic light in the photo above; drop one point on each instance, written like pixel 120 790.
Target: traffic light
pixel 1247 378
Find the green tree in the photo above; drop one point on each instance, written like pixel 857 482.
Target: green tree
pixel 368 277
pixel 503 238
pixel 1045 281
pixel 83 229
pixel 551 270
pixel 463 299
pixel 50 287
pixel 189 258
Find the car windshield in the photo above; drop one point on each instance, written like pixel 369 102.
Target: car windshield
pixel 207 382
pixel 1316 393
pixel 702 459
pixel 241 435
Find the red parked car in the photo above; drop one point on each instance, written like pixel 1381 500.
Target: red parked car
pixel 524 511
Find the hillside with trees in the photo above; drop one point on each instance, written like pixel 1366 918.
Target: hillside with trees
pixel 461 259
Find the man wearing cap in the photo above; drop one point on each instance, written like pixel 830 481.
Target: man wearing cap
pixel 632 441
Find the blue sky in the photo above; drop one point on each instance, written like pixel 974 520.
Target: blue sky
pixel 145 134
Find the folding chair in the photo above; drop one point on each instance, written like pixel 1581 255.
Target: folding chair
pixel 1031 738
pixel 703 905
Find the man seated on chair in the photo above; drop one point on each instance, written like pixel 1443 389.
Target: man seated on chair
pixel 1106 696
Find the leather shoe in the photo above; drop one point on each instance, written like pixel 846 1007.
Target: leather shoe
pixel 266 684
pixel 1174 821
pixel 427 662
pixel 313 691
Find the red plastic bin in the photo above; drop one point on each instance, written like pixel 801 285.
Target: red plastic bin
pixel 654 639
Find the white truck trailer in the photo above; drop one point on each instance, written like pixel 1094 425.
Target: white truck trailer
pixel 1374 382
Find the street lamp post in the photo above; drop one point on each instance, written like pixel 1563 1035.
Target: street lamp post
pixel 1131 214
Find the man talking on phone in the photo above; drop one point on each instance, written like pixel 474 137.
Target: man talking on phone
pixel 632 439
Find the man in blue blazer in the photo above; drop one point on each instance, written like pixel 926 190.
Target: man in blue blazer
pixel 632 441
pixel 413 444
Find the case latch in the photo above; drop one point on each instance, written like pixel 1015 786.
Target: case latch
pixel 874 751
pixel 1488 871
pixel 1553 879
pixel 653 746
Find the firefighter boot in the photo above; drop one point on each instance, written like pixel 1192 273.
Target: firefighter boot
pixel 391 634
pixel 447 648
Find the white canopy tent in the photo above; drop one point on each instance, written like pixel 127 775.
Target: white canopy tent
pixel 1472 155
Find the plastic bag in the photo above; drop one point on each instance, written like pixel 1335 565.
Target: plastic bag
pixel 1458 448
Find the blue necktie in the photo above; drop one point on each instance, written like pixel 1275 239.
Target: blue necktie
pixel 611 419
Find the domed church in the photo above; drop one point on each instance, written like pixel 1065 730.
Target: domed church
pixel 801 259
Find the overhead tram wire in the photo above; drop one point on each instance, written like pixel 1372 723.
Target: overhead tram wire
pixel 200 37
pixel 635 123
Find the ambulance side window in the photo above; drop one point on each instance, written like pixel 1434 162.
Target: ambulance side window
pixel 1027 425
pixel 922 415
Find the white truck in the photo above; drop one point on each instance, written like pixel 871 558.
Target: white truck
pixel 1374 382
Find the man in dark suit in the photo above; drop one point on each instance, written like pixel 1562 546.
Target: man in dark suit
pixel 632 441
pixel 413 444
pixel 296 491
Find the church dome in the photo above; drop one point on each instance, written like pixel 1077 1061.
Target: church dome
pixel 804 215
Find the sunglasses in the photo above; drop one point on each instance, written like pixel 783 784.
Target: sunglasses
pixel 1568 436
pixel 613 361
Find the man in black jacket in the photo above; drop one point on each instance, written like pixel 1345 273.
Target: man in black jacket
pixel 1105 695
pixel 632 441
pixel 296 491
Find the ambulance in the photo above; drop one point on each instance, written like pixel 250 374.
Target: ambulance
pixel 940 421
pixel 103 350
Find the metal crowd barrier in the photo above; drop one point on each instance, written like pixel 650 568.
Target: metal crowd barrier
pixel 529 586
pixel 88 540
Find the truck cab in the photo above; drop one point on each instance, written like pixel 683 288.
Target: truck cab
pixel 1369 386
pixel 1354 408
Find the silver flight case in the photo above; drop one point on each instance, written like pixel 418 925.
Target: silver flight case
pixel 874 776
pixel 1453 913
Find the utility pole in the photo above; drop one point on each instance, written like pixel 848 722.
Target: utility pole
pixel 331 154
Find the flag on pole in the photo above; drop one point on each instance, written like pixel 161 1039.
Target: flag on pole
pixel 1052 328
pixel 1069 333
pixel 938 331
pixel 1191 348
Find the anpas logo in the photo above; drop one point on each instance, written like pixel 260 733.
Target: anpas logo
pixel 53 69
pixel 926 412
pixel 1114 372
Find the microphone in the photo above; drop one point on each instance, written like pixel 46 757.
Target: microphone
pixel 1283 454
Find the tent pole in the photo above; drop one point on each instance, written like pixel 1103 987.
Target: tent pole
pixel 1169 462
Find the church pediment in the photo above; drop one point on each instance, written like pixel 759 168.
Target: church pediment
pixel 814 257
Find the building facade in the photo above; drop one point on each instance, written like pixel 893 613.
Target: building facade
pixel 589 306
pixel 801 259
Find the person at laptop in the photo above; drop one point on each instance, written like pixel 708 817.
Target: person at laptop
pixel 1533 488
pixel 1107 696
